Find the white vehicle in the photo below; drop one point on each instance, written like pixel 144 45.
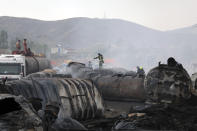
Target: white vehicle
pixel 17 66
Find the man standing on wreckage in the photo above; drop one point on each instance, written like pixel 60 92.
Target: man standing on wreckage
pixel 170 103
pixel 101 60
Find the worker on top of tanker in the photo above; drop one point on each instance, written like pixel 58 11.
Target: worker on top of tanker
pixel 101 60
pixel 140 72
pixel 27 51
pixel 25 46
pixel 18 48
pixel 173 63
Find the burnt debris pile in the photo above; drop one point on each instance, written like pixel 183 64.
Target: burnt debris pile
pixel 17 113
pixel 160 117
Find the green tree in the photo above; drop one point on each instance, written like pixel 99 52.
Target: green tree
pixel 4 39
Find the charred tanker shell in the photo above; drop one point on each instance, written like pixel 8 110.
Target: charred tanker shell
pixel 114 84
pixel 168 83
pixel 35 64
pixel 121 88
pixel 79 99
pixel 79 70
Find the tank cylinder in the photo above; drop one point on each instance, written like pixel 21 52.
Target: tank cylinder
pixel 78 98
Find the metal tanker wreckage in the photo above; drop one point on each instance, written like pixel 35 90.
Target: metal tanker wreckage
pixel 101 99
pixel 77 99
pixel 167 91
pixel 170 105
pixel 113 84
pixel 168 83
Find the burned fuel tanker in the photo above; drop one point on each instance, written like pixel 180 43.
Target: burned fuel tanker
pixel 168 82
pixel 78 98
pixel 113 84
pixel 170 104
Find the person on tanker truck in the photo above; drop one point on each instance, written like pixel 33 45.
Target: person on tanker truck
pixel 25 46
pixel 18 48
pixel 26 52
pixel 101 60
pixel 140 72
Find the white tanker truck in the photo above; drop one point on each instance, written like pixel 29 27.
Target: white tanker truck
pixel 18 66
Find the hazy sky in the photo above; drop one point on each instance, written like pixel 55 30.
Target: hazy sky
pixel 157 14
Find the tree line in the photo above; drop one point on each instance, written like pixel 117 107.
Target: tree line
pixel 35 46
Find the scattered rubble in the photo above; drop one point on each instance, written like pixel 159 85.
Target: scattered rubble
pixel 160 117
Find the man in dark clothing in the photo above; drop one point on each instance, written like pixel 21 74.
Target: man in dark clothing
pixel 101 60
pixel 140 72
pixel 173 63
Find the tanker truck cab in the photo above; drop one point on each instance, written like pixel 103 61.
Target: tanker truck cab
pixel 12 66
